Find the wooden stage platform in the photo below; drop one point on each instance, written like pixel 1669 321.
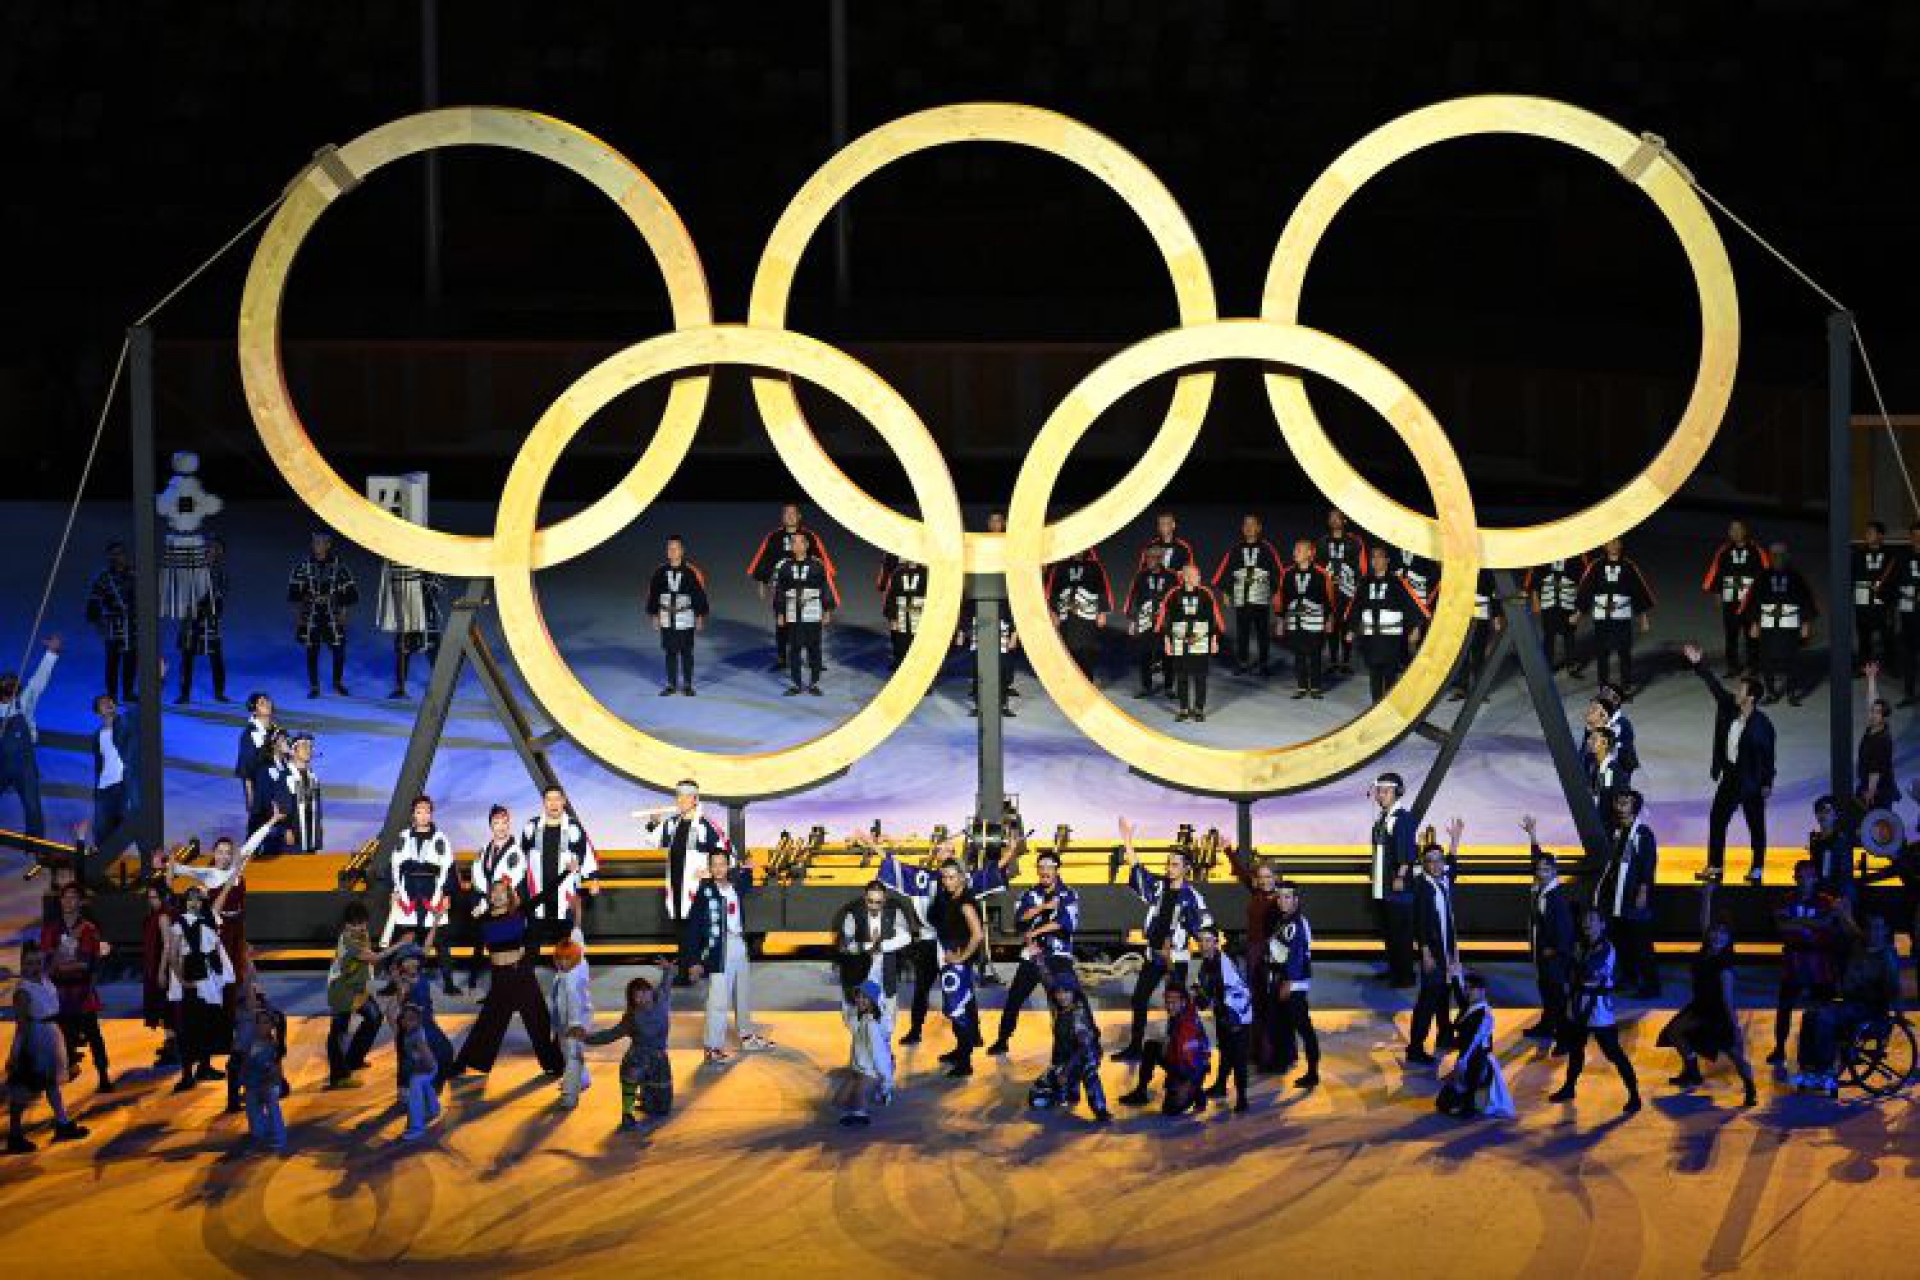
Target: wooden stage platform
pixel 751 1177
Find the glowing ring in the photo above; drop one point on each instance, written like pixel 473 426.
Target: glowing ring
pixel 1664 184
pixel 1240 771
pixel 588 721
pixel 1057 135
pixel 292 449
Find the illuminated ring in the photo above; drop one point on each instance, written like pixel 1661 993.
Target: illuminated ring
pixel 1668 188
pixel 1047 131
pixel 262 372
pixel 1239 771
pixel 588 721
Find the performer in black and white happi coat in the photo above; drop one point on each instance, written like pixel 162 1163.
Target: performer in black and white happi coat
pixel 1176 913
pixel 200 630
pixel 1385 613
pixel 1153 582
pixel 411 610
pixel 677 604
pixel 420 868
pixel 687 835
pixel 110 612
pixel 805 600
pixel 296 792
pixel 1189 627
pixel 322 592
pixel 904 599
pixel 1247 577
pixel 1080 597
pixel 1553 590
pixel 1343 554
pixel 774 548
pixel 562 870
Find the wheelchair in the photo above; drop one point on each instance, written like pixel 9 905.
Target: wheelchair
pixel 1880 1058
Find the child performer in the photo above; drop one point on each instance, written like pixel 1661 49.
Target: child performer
pixel 260 1079
pixel 72 949
pixel 1475 1085
pixel 646 1076
pixel 1076 1048
pixel 412 986
pixel 869 1077
pixel 154 1012
pixel 350 993
pixel 572 1005
pixel 1182 1052
pixel 201 972
pixel 423 1099
pixel 36 1064
pixel 1591 1014
pixel 1222 989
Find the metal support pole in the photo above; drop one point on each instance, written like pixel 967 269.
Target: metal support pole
pixel 737 827
pixel 147 826
pixel 1243 824
pixel 837 131
pixel 429 99
pixel 989 594
pixel 1840 552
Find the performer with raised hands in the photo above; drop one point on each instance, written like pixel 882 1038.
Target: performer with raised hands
pixel 1438 943
pixel 688 836
pixel 1176 913
pixel 918 885
pixel 1048 914
pixel 1550 936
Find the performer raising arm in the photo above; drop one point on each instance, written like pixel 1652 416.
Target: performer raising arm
pixel 1175 914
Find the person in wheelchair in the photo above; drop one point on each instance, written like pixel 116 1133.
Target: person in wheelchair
pixel 1869 989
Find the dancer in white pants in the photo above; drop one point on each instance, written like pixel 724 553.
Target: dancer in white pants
pixel 714 945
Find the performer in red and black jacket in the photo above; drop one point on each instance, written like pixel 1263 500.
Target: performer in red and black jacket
pixel 1553 590
pixel 1736 564
pixel 1246 579
pixel 1081 599
pixel 774 548
pixel 1615 594
pixel 1872 561
pixel 1304 609
pixel 1152 583
pixel 1189 627
pixel 1343 554
pixel 1175 552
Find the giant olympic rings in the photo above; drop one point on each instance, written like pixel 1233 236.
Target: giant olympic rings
pixel 517 547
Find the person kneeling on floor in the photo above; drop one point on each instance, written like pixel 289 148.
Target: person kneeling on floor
pixel 1474 1085
pixel 1183 1053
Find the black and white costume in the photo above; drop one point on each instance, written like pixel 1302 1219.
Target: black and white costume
pixel 904 598
pixel 1554 588
pixel 410 609
pixel 1247 577
pixel 421 869
pixel 1439 942
pixel 498 861
pixel 323 589
pixel 1385 613
pixel 688 840
pixel 1344 556
pixel 560 860
pixel 1734 568
pixel 804 597
pixel 1615 595
pixel 200 634
pixel 677 603
pixel 110 612
pixel 1633 866
pixel 1306 609
pixel 1780 604
pixel 296 789
pixel 1078 592
pixel 1002 653
pixel 1870 566
pixel 185 558
pixel 1189 628
pixel 776 548
pixel 1174 916
pixel 1901 591
pixel 1151 586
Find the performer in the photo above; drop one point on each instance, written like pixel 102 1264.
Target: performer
pixel 1385 612
pixel 1779 612
pixel 968 638
pixel 1152 584
pixel 1182 1052
pixel 1290 964
pixel 1706 1026
pixel 677 603
pixel 1869 991
pixel 1174 552
pixel 1222 989
pixel 1590 1014
pixel 1608 710
pixel 116 764
pixel 409 609
pixel 410 988
pixel 73 949
pixel 1078 592
pixel 1900 589
pixel 1075 1062
pixel 226 880
pixel 805 598
pixel 646 1076
pixel 904 599
pixel 1736 565
pixel 1048 914
pixel 418 1080
pixel 322 592
pixel 1391 881
pixel 1421 575
pixel 1830 847
pixel 955 916
pixel 1437 941
pixel 1305 610
pixel 1742 769
pixel 688 835
pixel 110 611
pixel 1872 561
pixel 1261 880
pixel 1488 622
pixel 776 548
pixel 1343 554
pixel 1553 589
pixel 350 993
pixel 500 861
pixel 1475 1085
pixel 1550 937
pixel 1809 953
pixel 36 1066
pixel 873 933
pixel 1600 754
pixel 200 975
pixel 511 989
pixel 869 1076
pixel 571 1005
pixel 260 1068
pixel 155 927
pixel 295 791
pixel 200 628
pixel 1247 576
pixel 256 757
pixel 1873 759
pixel 714 945
pixel 1189 627
pixel 1624 894
pixel 1175 913
pixel 562 870
pixel 420 869
pixel 917 886
pixel 20 736
pixel 1615 594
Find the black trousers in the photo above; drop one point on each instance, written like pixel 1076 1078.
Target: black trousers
pixel 1296 1028
pixel 1306 647
pixel 1792 993
pixel 1556 627
pixel 123 674
pixel 1779 655
pixel 1430 1007
pixel 1727 798
pixel 1633 942
pixel 803 645
pixel 84 1028
pixel 339 664
pixel 780 637
pixel 1152 974
pixel 514 990
pixel 1339 650
pixel 1384 656
pixel 1181 1092
pixel 1613 639
pixel 1551 975
pixel 1082 638
pixel 1870 633
pixel 347 1054
pixel 899 641
pixel 204 1031
pixel 1395 920
pixel 216 663
pixel 1733 632
pixel 1234 1039
pixel 1152 658
pixel 1026 979
pixel 1250 631
pixel 678 647
pixel 1608 1038
pixel 924 955
pixel 1190 680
